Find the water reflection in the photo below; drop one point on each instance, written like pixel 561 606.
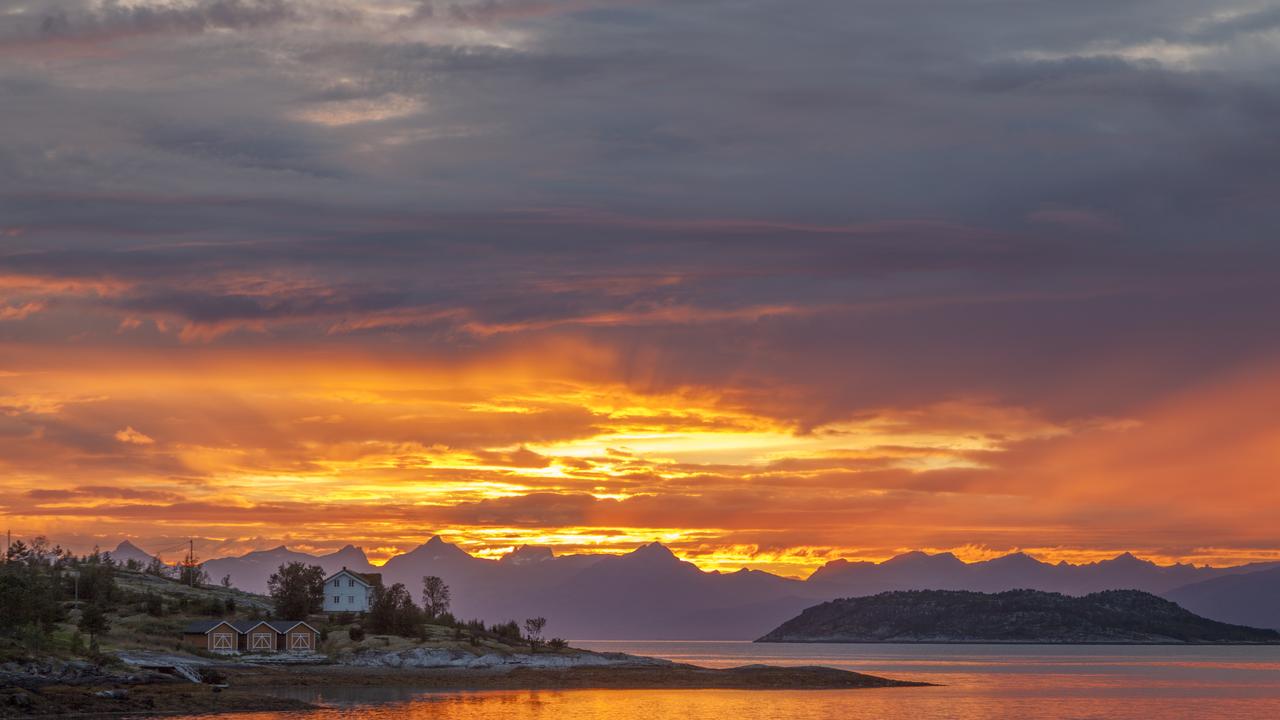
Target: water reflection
pixel 980 683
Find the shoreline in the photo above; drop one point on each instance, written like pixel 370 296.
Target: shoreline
pixel 250 688
pixel 1049 643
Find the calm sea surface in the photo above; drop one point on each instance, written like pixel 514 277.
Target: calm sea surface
pixel 980 682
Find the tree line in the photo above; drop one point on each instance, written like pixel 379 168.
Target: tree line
pixel 37 584
pixel 297 589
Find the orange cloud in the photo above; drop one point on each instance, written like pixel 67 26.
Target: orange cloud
pixel 133 437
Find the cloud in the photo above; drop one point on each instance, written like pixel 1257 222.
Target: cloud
pixel 19 312
pixel 130 436
pixel 113 21
pixel 938 275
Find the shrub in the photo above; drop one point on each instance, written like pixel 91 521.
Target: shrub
pixel 356 633
pixel 213 607
pixel 509 630
pixel 557 643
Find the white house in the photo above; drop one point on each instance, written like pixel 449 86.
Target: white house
pixel 347 591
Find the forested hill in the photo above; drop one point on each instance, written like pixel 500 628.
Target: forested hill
pixel 1015 616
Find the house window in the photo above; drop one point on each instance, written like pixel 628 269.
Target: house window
pixel 337 599
pixel 351 598
pixel 351 583
pixel 337 583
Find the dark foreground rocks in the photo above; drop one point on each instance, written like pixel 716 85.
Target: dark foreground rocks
pixel 632 677
pixel 252 688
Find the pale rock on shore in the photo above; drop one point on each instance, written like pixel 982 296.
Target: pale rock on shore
pixel 451 658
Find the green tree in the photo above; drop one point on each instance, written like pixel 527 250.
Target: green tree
pixel 533 631
pixel 93 620
pixel 297 589
pixel 191 572
pixel 393 611
pixel 435 596
pixel 157 567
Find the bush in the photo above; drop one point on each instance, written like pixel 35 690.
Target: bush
pixel 557 643
pixel 356 633
pixel 213 607
pixel 510 630
pixel 153 605
pixel 342 618
pixel 230 605
pixel 393 612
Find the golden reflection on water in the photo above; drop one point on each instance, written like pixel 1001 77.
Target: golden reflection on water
pixel 881 704
pixel 975 683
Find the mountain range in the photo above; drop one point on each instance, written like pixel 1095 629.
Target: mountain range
pixel 650 593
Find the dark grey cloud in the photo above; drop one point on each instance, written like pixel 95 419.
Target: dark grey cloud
pixel 928 198
pixel 53 21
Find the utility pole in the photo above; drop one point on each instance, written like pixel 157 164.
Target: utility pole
pixel 191 561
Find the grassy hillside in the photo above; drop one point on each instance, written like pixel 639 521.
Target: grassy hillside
pixel 144 612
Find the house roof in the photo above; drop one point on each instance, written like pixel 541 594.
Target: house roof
pixel 202 627
pixel 367 579
pixel 245 626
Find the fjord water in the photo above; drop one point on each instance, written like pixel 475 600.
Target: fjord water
pixel 977 682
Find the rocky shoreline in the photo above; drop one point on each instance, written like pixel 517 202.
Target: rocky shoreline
pixel 77 688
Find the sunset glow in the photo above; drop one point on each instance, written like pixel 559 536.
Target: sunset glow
pixel 527 273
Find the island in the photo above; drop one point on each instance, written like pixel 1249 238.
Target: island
pixel 1014 616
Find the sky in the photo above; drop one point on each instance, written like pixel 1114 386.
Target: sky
pixel 772 282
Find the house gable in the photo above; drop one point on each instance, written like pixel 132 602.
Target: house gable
pixel 345 574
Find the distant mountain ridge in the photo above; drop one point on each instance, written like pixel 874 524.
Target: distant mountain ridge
pixel 650 593
pixel 1013 616
pixel 944 571
pixel 1247 599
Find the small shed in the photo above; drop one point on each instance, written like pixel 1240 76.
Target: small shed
pixel 296 636
pixel 217 636
pixel 258 637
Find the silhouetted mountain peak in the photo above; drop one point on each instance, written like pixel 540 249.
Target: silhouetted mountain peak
pixel 349 554
pixel 127 551
pixel 528 555
pixel 278 550
pixel 654 550
pixel 437 549
pixel 1015 560
pixel 917 557
pixel 1127 559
